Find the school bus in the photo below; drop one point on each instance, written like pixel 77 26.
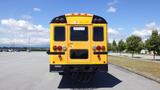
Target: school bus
pixel 78 44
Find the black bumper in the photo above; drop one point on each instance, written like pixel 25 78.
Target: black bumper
pixel 80 68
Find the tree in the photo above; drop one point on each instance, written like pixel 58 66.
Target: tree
pixel 121 46
pixel 109 46
pixel 133 43
pixel 153 43
pixel 158 51
pixel 140 46
pixel 114 46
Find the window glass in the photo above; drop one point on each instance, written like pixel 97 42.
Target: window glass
pixel 98 34
pixel 79 33
pixel 79 54
pixel 59 33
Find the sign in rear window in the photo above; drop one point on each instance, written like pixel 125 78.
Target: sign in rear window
pixel 79 28
pixel 79 34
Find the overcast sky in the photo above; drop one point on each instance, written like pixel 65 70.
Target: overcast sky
pixel 21 20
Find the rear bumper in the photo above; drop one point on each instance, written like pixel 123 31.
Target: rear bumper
pixel 80 68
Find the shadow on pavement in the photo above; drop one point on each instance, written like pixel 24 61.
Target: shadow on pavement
pixel 101 80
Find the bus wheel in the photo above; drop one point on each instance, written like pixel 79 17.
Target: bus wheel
pixel 61 73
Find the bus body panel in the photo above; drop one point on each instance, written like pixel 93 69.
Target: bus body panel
pixel 103 57
pixel 55 58
pixel 79 20
pixel 93 59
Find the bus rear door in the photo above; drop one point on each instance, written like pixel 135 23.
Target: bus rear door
pixel 79 44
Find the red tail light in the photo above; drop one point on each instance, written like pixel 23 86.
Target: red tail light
pixel 103 48
pixel 98 47
pixel 54 47
pixel 59 48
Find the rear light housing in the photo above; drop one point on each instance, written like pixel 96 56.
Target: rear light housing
pixel 98 48
pixel 64 48
pixel 94 48
pixel 55 48
pixel 59 48
pixel 103 48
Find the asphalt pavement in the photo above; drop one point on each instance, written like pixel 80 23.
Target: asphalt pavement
pixel 30 71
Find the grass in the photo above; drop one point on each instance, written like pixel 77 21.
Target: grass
pixel 148 68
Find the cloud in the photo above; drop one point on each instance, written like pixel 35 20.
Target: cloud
pixel 19 32
pixel 120 29
pixel 111 6
pixel 147 30
pixel 112 9
pixel 26 17
pixel 152 25
pixel 113 31
pixel 114 34
pixel 36 9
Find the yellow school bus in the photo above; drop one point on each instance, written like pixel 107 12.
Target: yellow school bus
pixel 78 43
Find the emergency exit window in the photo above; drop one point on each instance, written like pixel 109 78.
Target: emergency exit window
pixel 98 34
pixel 59 33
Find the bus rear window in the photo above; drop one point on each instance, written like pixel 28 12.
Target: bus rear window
pixel 59 33
pixel 98 34
pixel 79 33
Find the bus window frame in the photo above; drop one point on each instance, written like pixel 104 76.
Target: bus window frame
pixel 64 34
pixel 93 34
pixel 79 26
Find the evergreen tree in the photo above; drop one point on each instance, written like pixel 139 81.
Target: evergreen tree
pixel 121 46
pixel 114 46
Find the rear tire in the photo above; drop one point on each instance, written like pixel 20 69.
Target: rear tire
pixel 61 73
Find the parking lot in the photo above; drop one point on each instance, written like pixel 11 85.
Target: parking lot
pixel 30 71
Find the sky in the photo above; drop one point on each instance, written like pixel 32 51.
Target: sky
pixel 24 22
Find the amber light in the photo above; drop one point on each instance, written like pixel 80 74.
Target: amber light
pixel 103 48
pixel 55 48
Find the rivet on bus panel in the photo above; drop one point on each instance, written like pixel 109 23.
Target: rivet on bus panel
pixel 104 62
